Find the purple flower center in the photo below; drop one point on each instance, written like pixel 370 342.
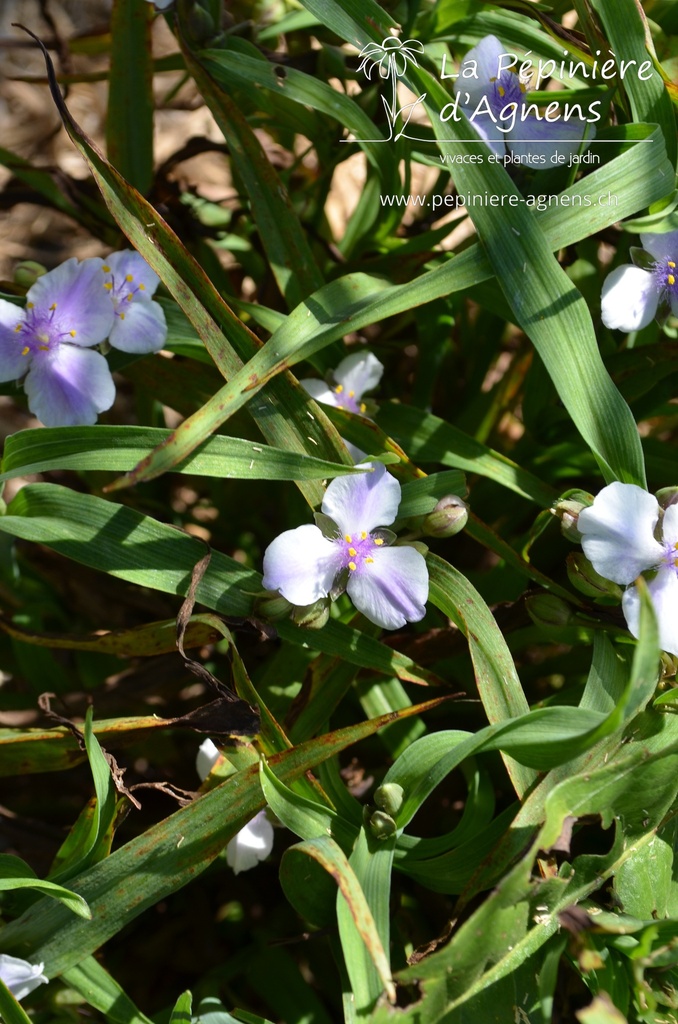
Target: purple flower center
pixel 666 275
pixel 358 550
pixel 348 400
pixel 42 330
pixel 121 290
pixel 505 90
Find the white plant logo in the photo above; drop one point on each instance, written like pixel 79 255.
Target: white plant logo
pixel 392 57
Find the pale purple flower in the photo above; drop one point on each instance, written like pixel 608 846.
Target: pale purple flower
pixel 494 102
pixel 50 341
pixel 20 976
pixel 252 843
pixel 354 376
pixel 622 540
pixel 389 585
pixel 139 324
pixel 633 296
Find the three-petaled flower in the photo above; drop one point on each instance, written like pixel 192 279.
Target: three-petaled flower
pixel 254 841
pixel 50 344
pixel 20 976
pixel 139 324
pixel 633 296
pixel 493 98
pixel 621 539
pixel 354 376
pixel 388 584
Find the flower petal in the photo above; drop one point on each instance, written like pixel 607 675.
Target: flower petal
pixel 301 564
pixel 662 247
pixel 664 593
pixel 79 300
pixel 362 502
pixel 253 843
pixel 359 372
pixel 12 364
pixel 392 590
pixel 629 299
pixel 546 138
pixel 486 56
pixel 20 976
pixel 130 264
pixel 319 390
pixel 487 130
pixel 141 329
pixel 670 528
pixel 69 386
pixel 206 758
pixel 618 532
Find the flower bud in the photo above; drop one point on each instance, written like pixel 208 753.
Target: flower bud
pixel 312 616
pixel 584 577
pixel 382 825
pixel 667 496
pixel 548 610
pixel 567 509
pixel 448 517
pixel 271 606
pixel 389 797
pixel 27 273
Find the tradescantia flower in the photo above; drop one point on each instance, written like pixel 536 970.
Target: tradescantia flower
pixel 252 843
pixel 139 324
pixel 633 296
pixel 50 344
pixel 493 99
pixel 20 976
pixel 389 585
pixel 354 376
pixel 622 539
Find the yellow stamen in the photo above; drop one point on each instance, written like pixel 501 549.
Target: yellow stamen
pixel 363 407
pixel 130 296
pixel 368 559
pixel 142 287
pixel 501 90
pixel 351 394
pixel 671 264
pixel 363 536
pixel 25 351
pixel 378 541
pixel 18 328
pixel 348 538
pixel 44 348
pixel 30 305
pixel 339 388
pixel 53 306
pixel 108 286
pixel 121 315
pixel 106 269
pixel 352 552
pixel 72 333
pixel 128 277
pixel 352 566
pixel 671 279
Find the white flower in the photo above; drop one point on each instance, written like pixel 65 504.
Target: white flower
pixel 356 374
pixel 389 585
pixel 632 296
pixel 20 976
pixel 139 325
pixel 252 843
pixel 621 540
